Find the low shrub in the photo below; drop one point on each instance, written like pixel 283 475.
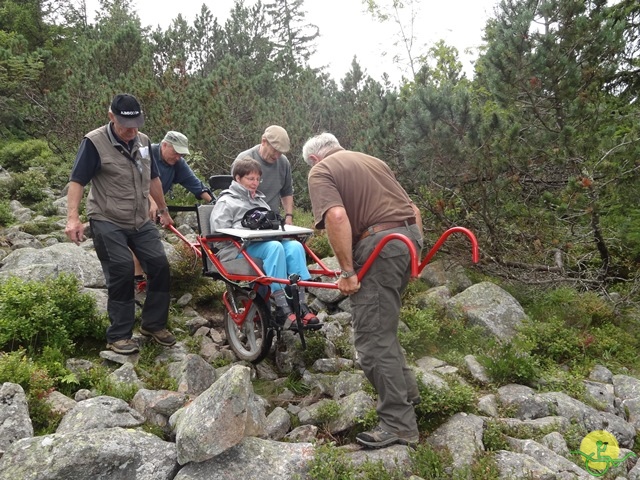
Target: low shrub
pixel 19 156
pixel 6 217
pixel 438 404
pixel 53 313
pixel 507 363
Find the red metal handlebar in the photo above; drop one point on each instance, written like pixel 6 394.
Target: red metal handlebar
pixel 475 254
pixel 416 267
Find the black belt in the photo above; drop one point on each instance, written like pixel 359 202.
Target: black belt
pixel 386 226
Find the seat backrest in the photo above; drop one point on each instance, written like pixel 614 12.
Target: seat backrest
pixel 204 215
pixel 219 182
pixel 239 266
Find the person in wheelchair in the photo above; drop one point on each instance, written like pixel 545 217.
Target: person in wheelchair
pixel 280 258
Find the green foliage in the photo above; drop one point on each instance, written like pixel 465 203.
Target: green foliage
pixel 330 463
pixel 295 384
pixel 16 367
pixel 316 344
pixel 368 421
pixel 424 329
pixel 577 309
pixel 438 404
pixel 507 363
pixel 328 411
pixel 494 438
pixel 53 313
pixel 6 217
pixel 154 375
pixel 344 347
pixel 429 463
pixel 432 332
pixel 319 244
pixel 29 186
pixel 19 156
pixel 39 227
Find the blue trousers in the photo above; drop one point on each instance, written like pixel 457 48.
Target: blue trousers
pixel 280 259
pixel 113 246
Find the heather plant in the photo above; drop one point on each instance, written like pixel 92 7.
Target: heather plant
pixel 19 156
pixel 6 217
pixel 53 312
pixel 507 363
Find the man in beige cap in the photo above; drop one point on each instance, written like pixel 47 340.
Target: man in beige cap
pixel 276 185
pixel 173 169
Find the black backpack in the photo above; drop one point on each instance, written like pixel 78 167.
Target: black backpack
pixel 261 218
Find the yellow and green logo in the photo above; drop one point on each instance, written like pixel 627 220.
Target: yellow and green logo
pixel 600 452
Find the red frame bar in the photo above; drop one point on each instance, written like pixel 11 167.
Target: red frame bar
pixel 202 243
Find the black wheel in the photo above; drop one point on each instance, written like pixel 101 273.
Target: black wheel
pixel 252 340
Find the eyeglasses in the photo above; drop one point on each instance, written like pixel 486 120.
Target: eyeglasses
pixel 253 179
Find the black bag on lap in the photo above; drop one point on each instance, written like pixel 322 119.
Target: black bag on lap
pixel 261 218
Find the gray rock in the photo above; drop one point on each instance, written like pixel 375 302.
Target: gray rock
pixel 68 258
pixel 217 420
pixel 113 453
pixel 15 422
pixel 126 375
pixel 59 403
pixel 490 307
pixel 446 273
pixel 477 371
pixel 278 424
pixel 99 413
pixel 462 436
pixel 254 459
pixel 519 466
pixel 194 375
pixel 601 374
pixel 156 406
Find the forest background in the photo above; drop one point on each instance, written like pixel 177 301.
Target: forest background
pixel 538 153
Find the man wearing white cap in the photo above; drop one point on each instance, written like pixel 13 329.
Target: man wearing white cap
pixel 277 185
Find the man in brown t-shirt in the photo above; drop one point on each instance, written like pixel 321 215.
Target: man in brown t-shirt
pixel 357 199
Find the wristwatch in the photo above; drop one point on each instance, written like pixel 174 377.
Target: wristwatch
pixel 347 274
pixel 162 211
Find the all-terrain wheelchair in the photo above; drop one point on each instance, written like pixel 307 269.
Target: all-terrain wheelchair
pixel 249 318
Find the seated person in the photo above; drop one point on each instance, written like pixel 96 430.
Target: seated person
pixel 280 258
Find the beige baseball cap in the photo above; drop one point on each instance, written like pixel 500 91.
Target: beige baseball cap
pixel 179 141
pixel 277 138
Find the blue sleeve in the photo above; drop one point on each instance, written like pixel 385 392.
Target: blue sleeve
pixel 186 178
pixel 86 164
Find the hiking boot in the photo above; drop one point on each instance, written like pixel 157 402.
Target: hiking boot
pixel 125 346
pixel 164 337
pixel 378 438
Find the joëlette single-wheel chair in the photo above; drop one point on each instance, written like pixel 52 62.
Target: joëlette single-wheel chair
pixel 249 319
